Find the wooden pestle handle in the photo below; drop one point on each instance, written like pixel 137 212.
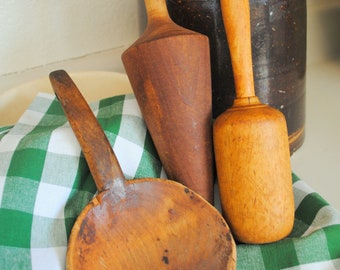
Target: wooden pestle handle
pixel 97 150
pixel 236 18
pixel 156 8
pixel 159 24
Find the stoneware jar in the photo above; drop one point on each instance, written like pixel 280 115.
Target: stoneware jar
pixel 279 55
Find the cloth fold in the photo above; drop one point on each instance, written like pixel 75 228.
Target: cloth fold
pixel 45 183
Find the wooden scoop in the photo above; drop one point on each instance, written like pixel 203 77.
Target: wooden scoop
pixel 169 71
pixel 251 148
pixel 145 223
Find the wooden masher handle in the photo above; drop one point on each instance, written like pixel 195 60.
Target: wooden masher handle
pixel 236 18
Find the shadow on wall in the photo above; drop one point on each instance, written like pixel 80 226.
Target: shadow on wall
pixel 329 21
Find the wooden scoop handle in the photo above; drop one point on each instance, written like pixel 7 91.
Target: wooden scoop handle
pixel 97 150
pixel 236 18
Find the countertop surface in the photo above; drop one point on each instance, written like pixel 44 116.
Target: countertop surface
pixel 318 160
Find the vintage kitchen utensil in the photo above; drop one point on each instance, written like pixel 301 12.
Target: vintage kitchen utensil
pixel 145 223
pixel 251 148
pixel 169 71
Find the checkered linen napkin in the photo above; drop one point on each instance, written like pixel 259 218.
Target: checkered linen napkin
pixel 45 183
pixel 314 242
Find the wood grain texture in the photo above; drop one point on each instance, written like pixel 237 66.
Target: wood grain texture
pixel 251 148
pixel 169 71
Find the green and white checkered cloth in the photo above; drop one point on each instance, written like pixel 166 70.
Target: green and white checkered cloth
pixel 45 183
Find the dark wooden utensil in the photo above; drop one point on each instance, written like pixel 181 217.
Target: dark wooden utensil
pixel 145 223
pixel 169 71
pixel 251 148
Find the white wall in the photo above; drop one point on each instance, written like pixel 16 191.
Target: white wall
pixel 37 33
pixel 37 36
pixel 323 32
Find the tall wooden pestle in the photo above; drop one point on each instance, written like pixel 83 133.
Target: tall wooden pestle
pixel 169 71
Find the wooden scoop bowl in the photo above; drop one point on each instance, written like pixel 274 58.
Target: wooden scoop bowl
pixel 137 224
pixel 251 147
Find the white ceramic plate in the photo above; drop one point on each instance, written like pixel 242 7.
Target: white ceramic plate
pixel 93 85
